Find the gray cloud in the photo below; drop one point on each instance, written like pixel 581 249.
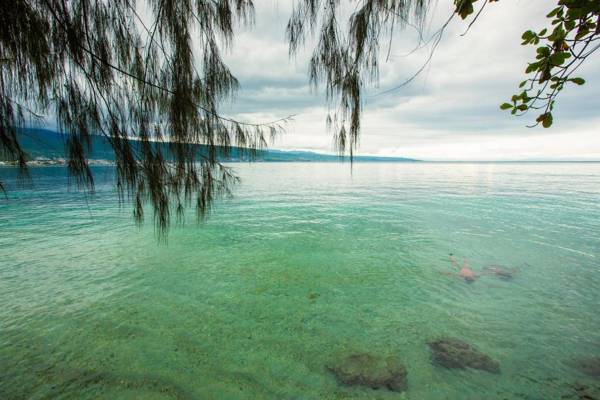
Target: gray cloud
pixel 449 112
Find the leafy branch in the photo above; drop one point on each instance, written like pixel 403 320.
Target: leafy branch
pixel 562 49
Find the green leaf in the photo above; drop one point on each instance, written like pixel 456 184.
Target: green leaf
pixel 506 106
pixel 546 120
pixel 532 67
pixel 577 81
pixel 553 12
pixel 582 33
pixel 528 35
pixel 464 8
pixel 559 58
pixel 558 34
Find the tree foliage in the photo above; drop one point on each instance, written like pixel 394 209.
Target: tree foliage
pixel 147 75
pixel 346 57
pixel 573 35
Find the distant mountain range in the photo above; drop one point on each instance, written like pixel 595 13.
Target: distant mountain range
pixel 43 144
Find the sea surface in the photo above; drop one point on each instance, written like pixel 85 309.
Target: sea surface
pixel 306 264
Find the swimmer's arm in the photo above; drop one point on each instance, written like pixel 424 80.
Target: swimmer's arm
pixel 453 261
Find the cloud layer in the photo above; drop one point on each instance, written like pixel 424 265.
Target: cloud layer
pixel 450 112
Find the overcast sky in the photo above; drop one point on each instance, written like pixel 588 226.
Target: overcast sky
pixel 451 112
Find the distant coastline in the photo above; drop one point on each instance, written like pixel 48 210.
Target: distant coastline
pixel 46 148
pixel 50 162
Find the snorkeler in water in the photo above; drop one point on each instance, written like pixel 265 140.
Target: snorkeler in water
pixel 464 272
pixel 469 275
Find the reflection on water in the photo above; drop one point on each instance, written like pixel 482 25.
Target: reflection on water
pixel 311 282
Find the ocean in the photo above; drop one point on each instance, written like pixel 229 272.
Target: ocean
pixel 307 264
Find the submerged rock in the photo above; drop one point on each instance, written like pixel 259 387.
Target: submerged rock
pixel 589 366
pixel 454 353
pixel 364 369
pixel 585 392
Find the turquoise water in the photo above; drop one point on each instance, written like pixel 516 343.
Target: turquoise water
pixel 306 264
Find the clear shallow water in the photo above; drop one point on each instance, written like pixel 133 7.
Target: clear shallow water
pixel 306 264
